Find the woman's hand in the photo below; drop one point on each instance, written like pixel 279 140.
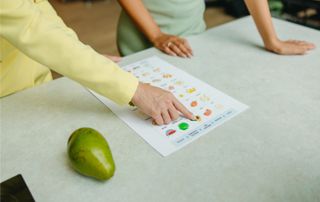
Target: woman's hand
pixel 161 105
pixel 290 47
pixel 262 18
pixel 172 45
pixel 169 44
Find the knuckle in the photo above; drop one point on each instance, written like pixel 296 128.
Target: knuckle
pixel 175 116
pixel 178 51
pixel 155 113
pixel 164 104
pixel 169 95
pixel 167 102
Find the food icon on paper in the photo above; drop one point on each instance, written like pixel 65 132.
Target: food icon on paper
pixel 204 98
pixel 170 132
pixel 208 112
pixel 194 104
pixel 166 76
pixel 191 90
pixel 183 126
pixel 198 118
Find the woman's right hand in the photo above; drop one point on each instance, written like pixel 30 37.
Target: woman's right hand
pixel 172 45
pixel 161 105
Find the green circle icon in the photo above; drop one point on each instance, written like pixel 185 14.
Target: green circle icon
pixel 183 126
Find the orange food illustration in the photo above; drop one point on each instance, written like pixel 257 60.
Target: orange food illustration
pixel 208 112
pixel 194 104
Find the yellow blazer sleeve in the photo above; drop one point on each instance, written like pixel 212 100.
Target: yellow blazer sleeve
pixel 47 42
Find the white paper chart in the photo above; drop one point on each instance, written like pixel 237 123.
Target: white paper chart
pixel 211 107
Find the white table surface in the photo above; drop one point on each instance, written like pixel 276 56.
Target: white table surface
pixel 271 152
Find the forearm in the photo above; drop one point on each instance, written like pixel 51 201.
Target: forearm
pixel 45 41
pixel 141 17
pixel 259 10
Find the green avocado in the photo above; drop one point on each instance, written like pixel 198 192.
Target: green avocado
pixel 90 154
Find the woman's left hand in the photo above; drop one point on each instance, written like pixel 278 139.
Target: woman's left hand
pixel 290 47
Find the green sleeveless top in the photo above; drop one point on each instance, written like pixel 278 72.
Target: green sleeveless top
pixel 176 17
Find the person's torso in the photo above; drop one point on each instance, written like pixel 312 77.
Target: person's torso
pixel 176 17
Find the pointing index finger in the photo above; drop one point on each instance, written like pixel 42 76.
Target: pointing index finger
pixel 185 112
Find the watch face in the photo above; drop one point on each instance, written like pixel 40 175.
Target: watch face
pixel 15 190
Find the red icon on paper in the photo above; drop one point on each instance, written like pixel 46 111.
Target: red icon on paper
pixel 170 132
